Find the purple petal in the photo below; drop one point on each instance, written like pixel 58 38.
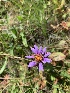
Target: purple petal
pixel 31 64
pixel 29 56
pixel 47 54
pixel 44 50
pixel 36 47
pixel 46 60
pixel 40 67
pixel 40 50
pixel 34 50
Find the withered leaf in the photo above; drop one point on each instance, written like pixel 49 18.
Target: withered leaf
pixel 57 56
pixel 63 44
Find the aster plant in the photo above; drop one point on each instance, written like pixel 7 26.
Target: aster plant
pixel 39 57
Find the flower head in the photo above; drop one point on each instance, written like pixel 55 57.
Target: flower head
pixel 39 57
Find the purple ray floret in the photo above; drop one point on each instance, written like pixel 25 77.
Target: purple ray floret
pixel 39 57
pixel 31 64
pixel 29 56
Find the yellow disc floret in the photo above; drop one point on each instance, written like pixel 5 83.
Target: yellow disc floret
pixel 38 58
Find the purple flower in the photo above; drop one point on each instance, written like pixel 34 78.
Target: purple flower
pixel 39 57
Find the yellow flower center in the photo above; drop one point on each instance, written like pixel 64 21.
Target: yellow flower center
pixel 38 58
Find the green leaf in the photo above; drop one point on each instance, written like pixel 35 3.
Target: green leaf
pixel 56 86
pixel 11 51
pixel 13 88
pixel 20 17
pixel 65 74
pixel 55 2
pixel 4 66
pixel 54 90
pixel 14 33
pixel 52 78
pixel 24 41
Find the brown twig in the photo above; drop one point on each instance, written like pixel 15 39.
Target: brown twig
pixel 10 56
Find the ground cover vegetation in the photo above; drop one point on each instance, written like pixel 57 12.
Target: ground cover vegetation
pixel 34 46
